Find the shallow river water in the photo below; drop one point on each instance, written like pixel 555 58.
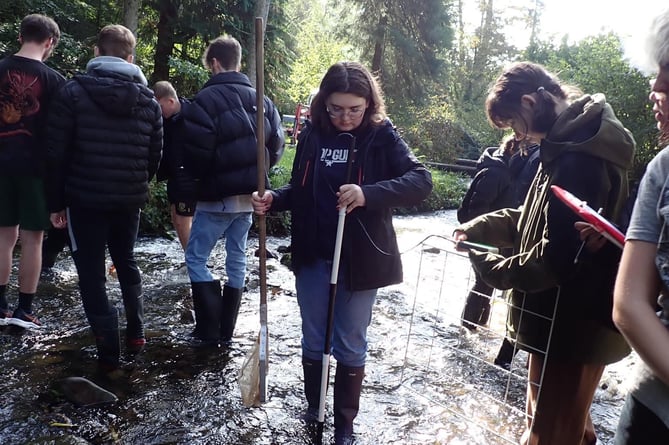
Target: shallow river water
pixel 428 381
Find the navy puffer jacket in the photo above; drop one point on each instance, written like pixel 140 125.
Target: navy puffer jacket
pixel 220 146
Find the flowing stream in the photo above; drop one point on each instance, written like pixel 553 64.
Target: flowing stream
pixel 428 380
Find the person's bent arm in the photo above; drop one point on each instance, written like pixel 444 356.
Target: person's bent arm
pixel 634 301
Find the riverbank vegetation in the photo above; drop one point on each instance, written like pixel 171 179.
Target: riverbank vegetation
pixel 434 66
pixel 446 194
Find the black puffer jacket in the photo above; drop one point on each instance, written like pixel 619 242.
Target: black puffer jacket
pixel 173 141
pixel 182 187
pixel 491 188
pixel 220 147
pixel 105 140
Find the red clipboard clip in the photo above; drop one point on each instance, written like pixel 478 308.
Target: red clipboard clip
pixel 589 215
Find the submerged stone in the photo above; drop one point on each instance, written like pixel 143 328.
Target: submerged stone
pixel 83 392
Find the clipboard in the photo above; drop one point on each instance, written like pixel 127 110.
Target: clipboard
pixel 589 215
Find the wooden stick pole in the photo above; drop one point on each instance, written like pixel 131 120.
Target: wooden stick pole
pixel 262 229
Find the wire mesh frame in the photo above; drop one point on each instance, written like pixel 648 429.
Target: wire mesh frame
pixel 500 400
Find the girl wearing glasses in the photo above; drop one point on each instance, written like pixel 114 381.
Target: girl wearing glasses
pixel 350 156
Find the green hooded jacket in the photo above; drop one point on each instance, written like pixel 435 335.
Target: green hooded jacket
pixel 588 153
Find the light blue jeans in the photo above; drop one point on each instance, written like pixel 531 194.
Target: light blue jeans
pixel 352 315
pixel 207 228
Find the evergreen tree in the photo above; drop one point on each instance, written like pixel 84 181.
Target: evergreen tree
pixel 403 42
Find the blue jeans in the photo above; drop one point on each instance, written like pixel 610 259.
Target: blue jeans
pixel 207 228
pixel 352 315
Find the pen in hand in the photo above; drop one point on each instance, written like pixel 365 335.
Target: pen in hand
pixel 580 249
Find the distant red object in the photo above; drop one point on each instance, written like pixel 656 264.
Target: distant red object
pixel 301 113
pixel 589 215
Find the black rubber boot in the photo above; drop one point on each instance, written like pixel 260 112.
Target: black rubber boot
pixel 207 301
pixel 312 387
pixel 232 299
pixel 477 307
pixel 133 302
pixel 312 391
pixel 485 312
pixel 105 329
pixel 348 384
pixel 472 310
pixel 505 354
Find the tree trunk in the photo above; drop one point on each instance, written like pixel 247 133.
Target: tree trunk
pixel 379 46
pixel 165 42
pixel 462 51
pixel 535 17
pixel 261 10
pixel 131 14
pixel 482 49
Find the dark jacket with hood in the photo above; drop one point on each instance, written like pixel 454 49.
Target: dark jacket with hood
pixel 491 186
pixel 389 176
pixel 105 139
pixel 523 167
pixel 588 153
pixel 181 186
pixel 221 146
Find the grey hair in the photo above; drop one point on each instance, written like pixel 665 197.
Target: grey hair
pixel 657 42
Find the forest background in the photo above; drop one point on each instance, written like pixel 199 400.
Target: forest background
pixel 434 69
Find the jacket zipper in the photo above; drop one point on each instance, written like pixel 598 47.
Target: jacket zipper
pixel 306 172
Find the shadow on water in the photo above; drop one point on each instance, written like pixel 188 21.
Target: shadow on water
pixel 435 386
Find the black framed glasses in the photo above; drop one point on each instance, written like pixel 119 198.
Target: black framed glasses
pixel 339 113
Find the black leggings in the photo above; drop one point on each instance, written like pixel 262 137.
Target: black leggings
pixel 92 232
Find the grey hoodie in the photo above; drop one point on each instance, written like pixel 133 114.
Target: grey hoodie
pixel 117 65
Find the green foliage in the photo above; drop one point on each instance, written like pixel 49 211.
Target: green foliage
pixel 178 31
pixel 186 76
pixel 403 41
pixel 475 61
pixel 434 84
pixel 316 51
pixel 472 117
pixel 278 223
pixel 78 23
pixel 447 192
pixel 279 175
pixel 597 65
pixel 433 133
pixel 155 218
pixel 281 52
